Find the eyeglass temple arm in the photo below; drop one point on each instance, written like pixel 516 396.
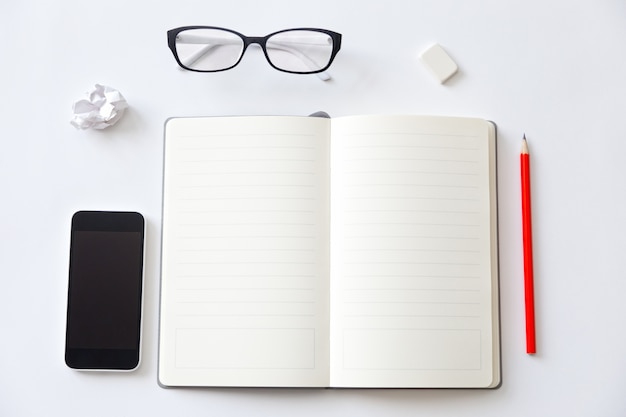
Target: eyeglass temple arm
pixel 195 39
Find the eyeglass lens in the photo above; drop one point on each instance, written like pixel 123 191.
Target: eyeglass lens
pixel 208 49
pixel 299 50
pixel 302 51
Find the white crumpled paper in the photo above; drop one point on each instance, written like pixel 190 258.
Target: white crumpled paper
pixel 102 108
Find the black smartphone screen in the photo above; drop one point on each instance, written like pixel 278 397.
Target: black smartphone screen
pixel 105 290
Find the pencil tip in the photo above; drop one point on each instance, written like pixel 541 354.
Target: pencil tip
pixel 524 145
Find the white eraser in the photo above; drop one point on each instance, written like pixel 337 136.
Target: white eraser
pixel 439 63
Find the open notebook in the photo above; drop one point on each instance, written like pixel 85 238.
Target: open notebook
pixel 358 251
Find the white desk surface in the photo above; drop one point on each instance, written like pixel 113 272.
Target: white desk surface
pixel 555 70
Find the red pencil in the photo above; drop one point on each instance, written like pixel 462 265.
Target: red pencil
pixel 527 234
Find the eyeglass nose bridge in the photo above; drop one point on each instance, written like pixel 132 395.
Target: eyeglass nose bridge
pixel 252 40
pixel 260 40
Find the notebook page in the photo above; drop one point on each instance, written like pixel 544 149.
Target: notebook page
pixel 413 252
pixel 244 299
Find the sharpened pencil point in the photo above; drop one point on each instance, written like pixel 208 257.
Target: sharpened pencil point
pixel 524 145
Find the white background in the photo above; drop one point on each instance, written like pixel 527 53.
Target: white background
pixel 554 70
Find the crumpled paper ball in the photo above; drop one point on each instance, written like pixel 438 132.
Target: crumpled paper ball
pixel 102 108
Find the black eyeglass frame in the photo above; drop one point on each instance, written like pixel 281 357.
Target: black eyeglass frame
pixel 249 40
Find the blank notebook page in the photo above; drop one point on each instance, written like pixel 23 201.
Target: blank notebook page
pixel 245 252
pixel 412 250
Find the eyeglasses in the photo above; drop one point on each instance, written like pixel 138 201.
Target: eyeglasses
pixel 212 49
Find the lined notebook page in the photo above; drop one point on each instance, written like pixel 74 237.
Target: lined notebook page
pixel 413 252
pixel 244 299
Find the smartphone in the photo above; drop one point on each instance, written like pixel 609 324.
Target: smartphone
pixel 104 302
